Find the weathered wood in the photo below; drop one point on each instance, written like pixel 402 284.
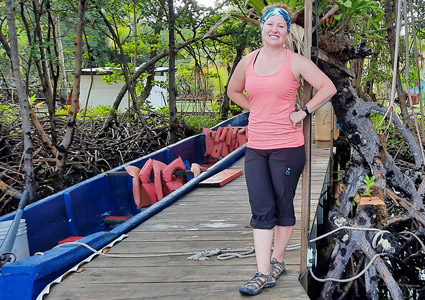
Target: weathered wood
pixel 306 174
pixel 369 157
pixel 221 178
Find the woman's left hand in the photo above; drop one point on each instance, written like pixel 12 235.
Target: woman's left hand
pixel 296 118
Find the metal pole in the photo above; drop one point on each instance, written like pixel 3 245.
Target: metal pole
pixel 6 247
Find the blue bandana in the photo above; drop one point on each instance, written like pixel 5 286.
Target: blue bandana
pixel 276 11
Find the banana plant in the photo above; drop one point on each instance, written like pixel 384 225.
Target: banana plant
pixel 294 5
pixel 257 5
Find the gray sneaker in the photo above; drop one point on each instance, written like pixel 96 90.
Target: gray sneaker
pixel 257 283
pixel 277 268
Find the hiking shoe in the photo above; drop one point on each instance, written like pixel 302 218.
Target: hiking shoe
pixel 277 268
pixel 257 283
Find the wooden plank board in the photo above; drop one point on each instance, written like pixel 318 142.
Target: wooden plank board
pixel 147 267
pixel 176 291
pixel 221 178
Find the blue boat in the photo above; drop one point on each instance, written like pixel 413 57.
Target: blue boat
pixel 80 210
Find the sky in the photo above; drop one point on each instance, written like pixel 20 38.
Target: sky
pixel 206 2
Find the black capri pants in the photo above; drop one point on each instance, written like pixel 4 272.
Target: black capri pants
pixel 272 177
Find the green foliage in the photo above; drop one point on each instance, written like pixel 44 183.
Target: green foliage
pixel 369 182
pixel 257 4
pixel 100 112
pixel 163 111
pixel 9 112
pixel 215 106
pixel 377 71
pixel 235 109
pixel 115 76
pixel 360 16
pixel 31 99
pixel 294 5
pixel 195 122
pixel 198 122
pixel 390 137
pixel 377 122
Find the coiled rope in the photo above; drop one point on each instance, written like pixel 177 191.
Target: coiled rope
pixel 222 253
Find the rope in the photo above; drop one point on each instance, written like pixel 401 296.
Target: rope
pixel 347 279
pixel 222 253
pixel 415 236
pixel 375 243
pixel 229 253
pixel 386 245
pixel 343 227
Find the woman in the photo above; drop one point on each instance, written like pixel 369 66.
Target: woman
pixel 275 153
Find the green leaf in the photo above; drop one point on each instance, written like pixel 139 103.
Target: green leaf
pixel 31 100
pixel 347 4
pixel 257 4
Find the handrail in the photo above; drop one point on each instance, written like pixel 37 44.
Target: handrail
pixel 7 245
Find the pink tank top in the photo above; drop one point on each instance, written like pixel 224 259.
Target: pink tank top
pixel 271 100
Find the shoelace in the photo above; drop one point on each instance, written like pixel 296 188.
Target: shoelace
pixel 257 281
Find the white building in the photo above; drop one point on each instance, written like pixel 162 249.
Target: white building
pixel 102 93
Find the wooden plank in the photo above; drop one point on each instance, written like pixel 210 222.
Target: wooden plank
pixel 221 178
pixel 175 291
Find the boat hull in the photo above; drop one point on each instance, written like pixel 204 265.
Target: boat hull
pixel 81 209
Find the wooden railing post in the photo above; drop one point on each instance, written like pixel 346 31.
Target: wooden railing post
pixel 306 192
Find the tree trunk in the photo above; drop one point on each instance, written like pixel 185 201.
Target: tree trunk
pixel 370 157
pixel 402 97
pixel 44 71
pixel 63 148
pixel 23 99
pixel 172 73
pixel 240 48
pixel 151 77
pixel 150 64
pixel 63 86
pixel 5 45
pixel 130 82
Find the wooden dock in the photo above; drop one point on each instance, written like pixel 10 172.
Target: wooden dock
pixel 205 219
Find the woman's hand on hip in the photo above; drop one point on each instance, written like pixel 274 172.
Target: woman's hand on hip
pixel 296 117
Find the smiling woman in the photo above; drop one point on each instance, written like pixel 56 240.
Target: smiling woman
pixel 266 82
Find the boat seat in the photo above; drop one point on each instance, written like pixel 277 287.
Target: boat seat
pixel 115 220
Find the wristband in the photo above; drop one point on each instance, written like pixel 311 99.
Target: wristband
pixel 305 109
